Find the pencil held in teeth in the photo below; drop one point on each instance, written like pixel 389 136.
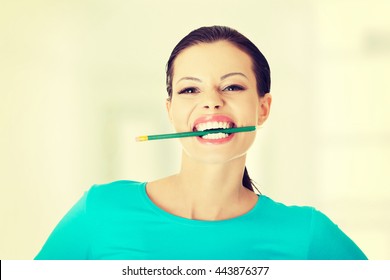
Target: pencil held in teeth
pixel 195 133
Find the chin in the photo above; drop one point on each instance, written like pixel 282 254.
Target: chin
pixel 214 158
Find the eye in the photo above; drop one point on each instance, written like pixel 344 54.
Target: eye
pixel 234 88
pixel 188 90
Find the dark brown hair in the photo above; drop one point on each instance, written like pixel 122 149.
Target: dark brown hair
pixel 222 33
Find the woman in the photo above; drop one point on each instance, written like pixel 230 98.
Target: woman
pixel 216 78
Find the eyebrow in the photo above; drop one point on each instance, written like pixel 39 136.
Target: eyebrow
pixel 233 74
pixel 190 78
pixel 222 77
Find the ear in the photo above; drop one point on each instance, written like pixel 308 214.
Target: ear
pixel 168 106
pixel 264 108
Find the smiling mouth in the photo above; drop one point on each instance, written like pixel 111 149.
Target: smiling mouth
pixel 211 126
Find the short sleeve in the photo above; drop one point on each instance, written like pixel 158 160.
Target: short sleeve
pixel 70 238
pixel 329 242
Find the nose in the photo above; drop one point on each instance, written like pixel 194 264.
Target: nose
pixel 212 100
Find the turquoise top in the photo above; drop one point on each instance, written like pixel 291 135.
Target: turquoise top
pixel 119 221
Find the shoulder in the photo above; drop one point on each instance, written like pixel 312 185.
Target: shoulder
pixel 307 225
pixel 291 223
pixel 280 211
pixel 315 222
pixel 116 186
pixel 329 242
pixel 113 193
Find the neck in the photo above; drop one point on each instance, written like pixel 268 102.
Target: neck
pixel 211 191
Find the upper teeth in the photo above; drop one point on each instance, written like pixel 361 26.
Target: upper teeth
pixel 212 125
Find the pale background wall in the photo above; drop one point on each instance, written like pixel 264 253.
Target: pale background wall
pixel 79 79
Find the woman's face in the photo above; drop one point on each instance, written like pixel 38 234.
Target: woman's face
pixel 214 86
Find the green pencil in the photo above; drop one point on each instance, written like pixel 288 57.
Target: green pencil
pixel 194 133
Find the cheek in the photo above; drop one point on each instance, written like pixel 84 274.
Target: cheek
pixel 248 110
pixel 179 114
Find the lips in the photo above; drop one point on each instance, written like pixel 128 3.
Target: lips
pixel 211 122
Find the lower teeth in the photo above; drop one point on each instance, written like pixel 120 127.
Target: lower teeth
pixel 219 135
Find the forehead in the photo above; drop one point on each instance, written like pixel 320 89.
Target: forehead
pixel 217 58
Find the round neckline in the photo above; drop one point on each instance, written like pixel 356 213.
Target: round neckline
pixel 188 221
